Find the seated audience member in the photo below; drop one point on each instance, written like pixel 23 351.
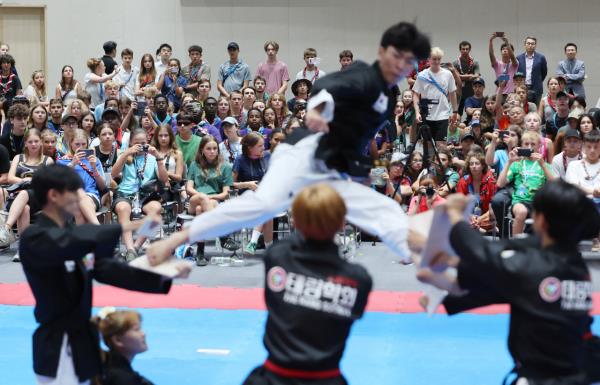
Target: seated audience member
pixel 533 122
pixel 255 125
pixel 475 102
pixel 466 142
pixel 141 168
pixel 291 125
pixel 36 90
pixel 528 106
pixel 528 173
pixel 171 84
pixel 90 171
pixel 488 114
pixel 269 117
pixel 21 170
pixel 248 170
pixel 478 181
pixel 68 87
pixel 278 103
pixel 277 136
pixel 204 88
pixel 209 179
pixel 38 117
pixel 147 76
pixel 195 111
pixel 231 147
pixel 559 118
pixel 111 92
pixel 585 173
pixel 11 84
pixel 571 151
pixel 166 146
pixel 260 85
pixel 76 108
pixel 88 124
pixel 426 197
pixel 122 333
pixel 301 89
pixel 586 124
pixel 447 177
pixel 186 141
pixel 107 153
pixel 13 141
pixel 55 119
pixel 49 139
pixel 415 168
pixel 397 185
pixel 161 110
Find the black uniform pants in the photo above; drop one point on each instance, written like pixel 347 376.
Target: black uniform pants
pixel 262 376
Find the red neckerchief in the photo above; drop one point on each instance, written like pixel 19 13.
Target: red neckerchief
pixel 470 63
pixel 6 86
pixel 526 107
pixel 119 137
pixel 147 79
pixel 551 103
pixel 315 77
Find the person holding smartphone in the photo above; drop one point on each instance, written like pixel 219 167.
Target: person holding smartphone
pixel 171 83
pixel 427 197
pixel 506 67
pixel 529 172
pixel 90 171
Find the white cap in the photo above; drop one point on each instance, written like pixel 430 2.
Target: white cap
pixel 398 157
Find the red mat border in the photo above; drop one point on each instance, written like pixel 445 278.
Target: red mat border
pixel 229 298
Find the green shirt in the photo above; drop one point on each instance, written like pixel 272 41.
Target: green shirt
pixel 210 183
pixel 189 148
pixel 528 177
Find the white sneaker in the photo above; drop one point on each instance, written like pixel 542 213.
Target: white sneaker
pixel 16 257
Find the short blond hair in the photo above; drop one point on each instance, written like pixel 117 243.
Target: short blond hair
pixel 437 52
pixel 531 135
pixel 318 212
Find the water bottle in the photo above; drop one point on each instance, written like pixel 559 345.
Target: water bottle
pixel 136 209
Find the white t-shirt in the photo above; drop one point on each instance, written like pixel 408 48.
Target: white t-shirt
pixel 160 67
pixel 558 164
pixel 310 75
pixel 128 81
pixel 93 89
pixel 427 90
pixel 577 175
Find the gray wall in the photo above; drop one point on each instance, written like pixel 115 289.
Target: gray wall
pixel 76 29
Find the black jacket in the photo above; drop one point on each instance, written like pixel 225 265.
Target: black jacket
pixel 118 371
pixel 61 281
pixel 549 292
pixel 313 297
pixel 363 104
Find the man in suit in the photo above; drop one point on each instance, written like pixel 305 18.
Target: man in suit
pixel 573 70
pixel 533 65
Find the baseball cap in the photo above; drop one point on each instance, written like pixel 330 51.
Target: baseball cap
pixel 111 110
pixel 69 116
pixel 575 114
pixel 518 74
pixel 398 157
pixel 233 45
pixel 479 81
pixel 230 120
pixel 475 122
pixel 467 135
pixel 561 94
pixel 572 133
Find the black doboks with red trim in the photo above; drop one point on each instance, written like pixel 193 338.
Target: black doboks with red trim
pixel 592 356
pixel 313 297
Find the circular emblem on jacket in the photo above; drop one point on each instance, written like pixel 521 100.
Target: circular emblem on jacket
pixel 550 289
pixel 276 279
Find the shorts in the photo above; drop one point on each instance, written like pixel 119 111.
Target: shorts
pixel 96 201
pixel 262 376
pixel 528 205
pixel 33 203
pixel 144 199
pixel 439 129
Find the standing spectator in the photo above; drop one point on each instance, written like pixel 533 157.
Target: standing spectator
pixel 164 54
pixel 37 88
pixel 234 74
pixel 95 79
pixel 573 70
pixel 196 70
pixel 533 64
pixel 507 65
pixel 468 70
pixel 10 85
pixel 127 75
pixel 571 152
pixel 311 71
pixel 68 87
pixel 436 84
pixel 147 77
pixel 273 70
pixel 110 51
pixel 475 101
pixel 172 83
pixel 346 58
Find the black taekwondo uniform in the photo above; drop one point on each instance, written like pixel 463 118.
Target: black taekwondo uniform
pixel 550 296
pixel 313 297
pixel 60 269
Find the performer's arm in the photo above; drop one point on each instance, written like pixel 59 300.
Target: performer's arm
pixel 116 273
pixel 456 304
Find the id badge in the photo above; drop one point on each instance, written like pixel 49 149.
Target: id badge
pixel 522 191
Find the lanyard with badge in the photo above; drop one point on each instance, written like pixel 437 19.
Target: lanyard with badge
pixel 526 173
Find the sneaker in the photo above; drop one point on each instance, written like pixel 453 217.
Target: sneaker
pixel 250 248
pixel 130 255
pixel 595 245
pixel 201 261
pixel 5 236
pixel 16 257
pixel 230 244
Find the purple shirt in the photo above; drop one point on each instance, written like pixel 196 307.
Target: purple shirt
pixel 264 132
pixel 208 129
pixel 509 69
pixel 275 74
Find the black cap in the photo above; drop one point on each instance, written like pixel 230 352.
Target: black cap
pixel 233 45
pixel 518 74
pixel 560 94
pixel 111 110
pixel 467 135
pixel 572 133
pixel 479 81
pixel 297 83
pixel 68 116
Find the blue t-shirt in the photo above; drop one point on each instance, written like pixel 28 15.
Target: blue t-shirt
pixel 264 132
pixel 130 183
pixel 500 160
pixel 248 170
pixel 89 183
pixel 473 102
